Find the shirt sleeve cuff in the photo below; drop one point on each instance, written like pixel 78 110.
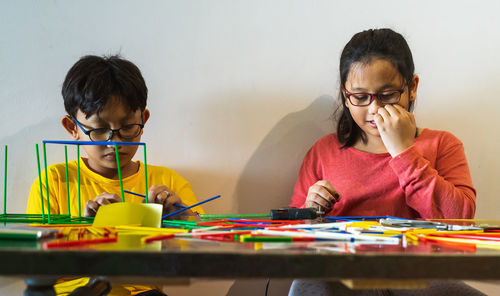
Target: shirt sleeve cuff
pixel 406 159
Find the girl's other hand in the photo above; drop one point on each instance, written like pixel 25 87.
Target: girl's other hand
pixel 91 206
pixel 397 128
pixel 322 195
pixel 161 194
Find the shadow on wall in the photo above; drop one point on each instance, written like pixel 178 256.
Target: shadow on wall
pixel 268 178
pixel 22 168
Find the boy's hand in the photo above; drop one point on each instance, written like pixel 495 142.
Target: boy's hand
pixel 397 128
pixel 161 194
pixel 322 194
pixel 105 198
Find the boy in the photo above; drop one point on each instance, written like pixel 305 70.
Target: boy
pixel 105 98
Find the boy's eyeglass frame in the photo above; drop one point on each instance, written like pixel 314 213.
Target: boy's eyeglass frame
pixel 112 132
pixel 372 96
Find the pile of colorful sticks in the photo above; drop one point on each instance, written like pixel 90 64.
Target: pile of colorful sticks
pixel 237 230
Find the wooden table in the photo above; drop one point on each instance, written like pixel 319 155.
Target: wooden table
pixel 211 259
pixel 188 258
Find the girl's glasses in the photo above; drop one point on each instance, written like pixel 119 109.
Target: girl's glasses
pixel 126 132
pixel 365 99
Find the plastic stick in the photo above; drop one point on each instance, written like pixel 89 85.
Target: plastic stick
pixel 78 179
pixel 95 143
pixel 187 208
pixel 205 216
pixel 5 184
pixel 146 174
pixel 67 180
pixel 119 172
pixel 46 181
pixel 40 179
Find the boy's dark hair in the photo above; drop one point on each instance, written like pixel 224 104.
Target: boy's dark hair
pixel 363 47
pixel 93 80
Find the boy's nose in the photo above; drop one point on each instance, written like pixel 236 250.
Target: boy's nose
pixel 113 137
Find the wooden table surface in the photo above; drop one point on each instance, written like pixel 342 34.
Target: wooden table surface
pixel 186 258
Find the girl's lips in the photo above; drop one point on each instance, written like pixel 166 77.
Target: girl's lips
pixel 372 124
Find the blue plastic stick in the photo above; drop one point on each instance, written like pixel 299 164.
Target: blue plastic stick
pixel 187 208
pixel 359 218
pixel 95 143
pixel 133 193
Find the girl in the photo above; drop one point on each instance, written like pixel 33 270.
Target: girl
pixel 379 162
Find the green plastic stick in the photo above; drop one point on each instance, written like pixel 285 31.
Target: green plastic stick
pixel 67 180
pixel 22 236
pixel 39 218
pixel 146 173
pixel 5 184
pixel 40 180
pixel 46 181
pixel 120 172
pixel 181 222
pixel 78 177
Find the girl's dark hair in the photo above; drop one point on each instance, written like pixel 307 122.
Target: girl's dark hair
pixel 93 80
pixel 362 48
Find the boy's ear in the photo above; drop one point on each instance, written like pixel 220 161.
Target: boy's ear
pixel 145 115
pixel 71 127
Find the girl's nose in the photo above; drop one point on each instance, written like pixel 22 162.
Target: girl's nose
pixel 374 106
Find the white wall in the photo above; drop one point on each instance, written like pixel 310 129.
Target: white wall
pixel 239 90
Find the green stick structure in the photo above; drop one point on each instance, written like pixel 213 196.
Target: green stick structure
pixel 63 218
pixel 42 218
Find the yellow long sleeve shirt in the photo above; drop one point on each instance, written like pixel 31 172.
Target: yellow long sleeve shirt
pixel 93 184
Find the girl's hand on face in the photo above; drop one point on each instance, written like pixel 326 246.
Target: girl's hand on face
pixel 397 128
pixel 91 206
pixel 161 194
pixel 322 195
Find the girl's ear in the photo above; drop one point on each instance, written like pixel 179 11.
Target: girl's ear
pixel 346 101
pixel 70 126
pixel 414 86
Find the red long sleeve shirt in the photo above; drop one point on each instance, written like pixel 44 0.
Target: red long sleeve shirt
pixel 431 179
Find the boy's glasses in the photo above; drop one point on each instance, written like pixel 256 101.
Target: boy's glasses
pixel 365 99
pixel 126 132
